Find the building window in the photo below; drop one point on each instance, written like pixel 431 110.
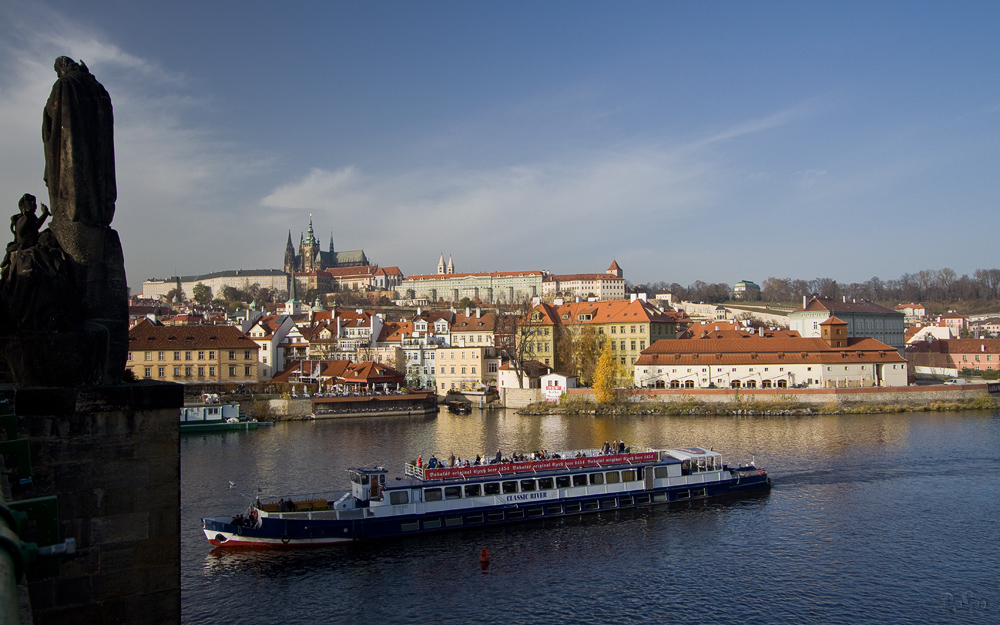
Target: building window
pixel 201 372
pixel 149 372
pixel 613 330
pixel 187 355
pixel 232 355
pixel 187 371
pixel 211 372
pixel 247 371
pixel 246 355
pixel 177 355
pixel 177 372
pixel 232 372
pixel 161 355
pixel 149 355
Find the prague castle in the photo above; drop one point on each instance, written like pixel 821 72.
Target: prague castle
pixel 311 258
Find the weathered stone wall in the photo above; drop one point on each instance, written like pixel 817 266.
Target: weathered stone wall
pixel 290 408
pixel 520 397
pixel 111 456
pixel 886 395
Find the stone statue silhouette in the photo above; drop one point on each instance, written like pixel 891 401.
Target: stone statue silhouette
pixel 64 289
pixel 77 130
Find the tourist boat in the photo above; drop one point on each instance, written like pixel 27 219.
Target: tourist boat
pixel 425 500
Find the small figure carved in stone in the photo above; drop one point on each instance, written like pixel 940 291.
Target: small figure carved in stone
pixel 36 285
pixel 25 226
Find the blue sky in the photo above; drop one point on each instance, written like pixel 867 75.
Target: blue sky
pixel 712 141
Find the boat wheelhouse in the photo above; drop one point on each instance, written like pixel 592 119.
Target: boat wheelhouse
pixel 427 500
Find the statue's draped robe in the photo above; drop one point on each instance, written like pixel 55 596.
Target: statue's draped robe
pixel 77 130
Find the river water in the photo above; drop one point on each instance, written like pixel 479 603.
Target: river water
pixel 873 518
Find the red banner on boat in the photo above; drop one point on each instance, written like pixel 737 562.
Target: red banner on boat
pixel 538 465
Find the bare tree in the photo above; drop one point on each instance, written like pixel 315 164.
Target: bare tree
pixel 518 324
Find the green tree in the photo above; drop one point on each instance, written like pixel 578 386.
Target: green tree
pixel 604 375
pixel 201 293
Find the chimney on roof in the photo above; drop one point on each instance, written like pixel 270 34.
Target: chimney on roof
pixel 845 299
pixel 468 312
pixel 760 331
pixel 479 312
pixel 804 302
pixel 418 311
pixel 632 297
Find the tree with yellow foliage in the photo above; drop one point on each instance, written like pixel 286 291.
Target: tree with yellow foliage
pixel 605 375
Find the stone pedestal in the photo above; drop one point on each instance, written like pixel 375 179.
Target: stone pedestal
pixel 111 455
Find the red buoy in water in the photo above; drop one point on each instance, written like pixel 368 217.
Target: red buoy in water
pixel 484 558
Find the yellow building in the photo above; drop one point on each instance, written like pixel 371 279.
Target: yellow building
pixel 192 354
pixel 461 368
pixel 630 326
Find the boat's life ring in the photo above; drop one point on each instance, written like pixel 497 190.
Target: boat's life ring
pixel 285 539
pixel 253 514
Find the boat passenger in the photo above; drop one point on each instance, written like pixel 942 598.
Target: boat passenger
pixel 478 461
pixel 420 461
pixel 432 463
pixel 621 446
pixel 451 460
pixel 282 506
pixel 499 457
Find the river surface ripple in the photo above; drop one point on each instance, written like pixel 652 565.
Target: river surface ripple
pixel 872 518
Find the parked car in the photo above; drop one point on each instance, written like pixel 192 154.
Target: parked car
pixel 956 381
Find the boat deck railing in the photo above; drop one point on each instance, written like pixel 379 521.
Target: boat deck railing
pixel 558 460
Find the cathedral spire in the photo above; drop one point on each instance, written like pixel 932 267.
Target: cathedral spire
pixel 311 237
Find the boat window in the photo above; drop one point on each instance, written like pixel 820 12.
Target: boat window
pixel 596 478
pixel 579 480
pixel 432 494
pixel 355 477
pixel 628 475
pixel 508 487
pixel 660 472
pixel 527 485
pixel 452 492
pixel 399 497
pixel 545 483
pixel 686 467
pixel 493 488
pixel 473 490
pixel 562 481
pixel 612 477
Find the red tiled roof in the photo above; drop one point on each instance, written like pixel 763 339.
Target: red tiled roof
pixel 755 349
pixel 484 274
pixel 145 336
